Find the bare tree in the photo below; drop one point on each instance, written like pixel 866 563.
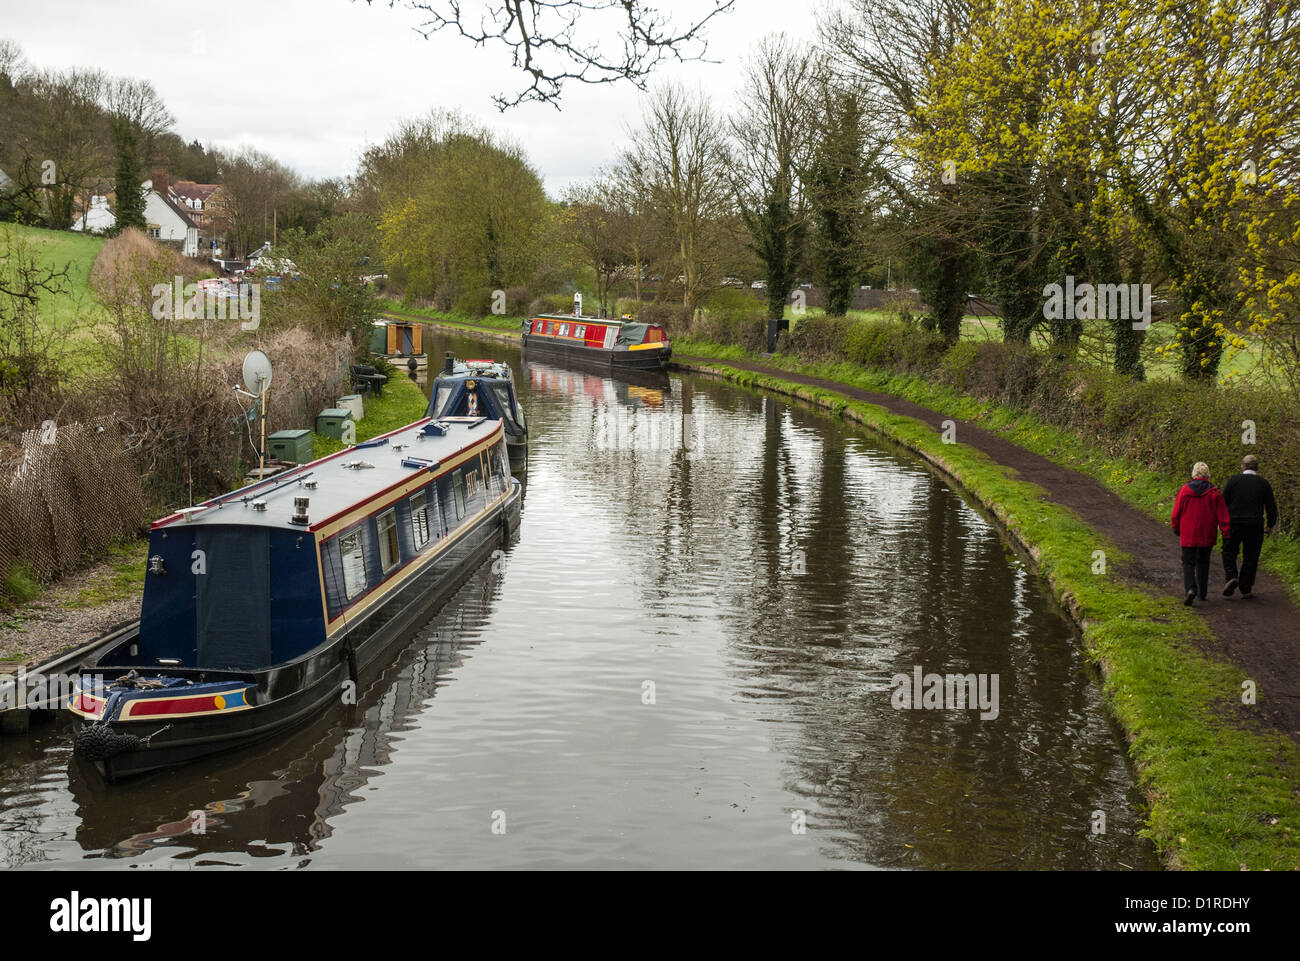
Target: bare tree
pixel 61 143
pixel 251 184
pixel 889 50
pixel 12 60
pixel 682 150
pixel 633 203
pixel 772 130
pixel 556 41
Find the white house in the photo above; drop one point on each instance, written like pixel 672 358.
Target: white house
pixel 98 218
pixel 167 222
pixel 164 220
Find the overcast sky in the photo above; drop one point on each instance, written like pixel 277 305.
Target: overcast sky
pixel 312 82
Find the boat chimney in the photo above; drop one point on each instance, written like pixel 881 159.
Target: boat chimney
pixel 449 363
pixel 300 510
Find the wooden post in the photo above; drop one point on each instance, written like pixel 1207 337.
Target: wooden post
pixel 261 452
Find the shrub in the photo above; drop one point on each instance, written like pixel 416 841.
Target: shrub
pixel 551 304
pixel 673 318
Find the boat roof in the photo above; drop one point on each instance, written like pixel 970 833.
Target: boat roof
pixel 334 485
pixel 608 321
pixel 463 369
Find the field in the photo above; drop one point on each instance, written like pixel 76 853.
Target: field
pixel 1093 346
pixel 75 311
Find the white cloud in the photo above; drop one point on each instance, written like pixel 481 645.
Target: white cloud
pixel 312 82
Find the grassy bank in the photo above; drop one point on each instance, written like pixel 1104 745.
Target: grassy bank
pixel 510 323
pixel 1220 790
pixel 1135 481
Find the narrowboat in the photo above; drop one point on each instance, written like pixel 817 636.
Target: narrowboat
pixel 609 343
pixel 483 388
pixel 399 341
pixel 261 606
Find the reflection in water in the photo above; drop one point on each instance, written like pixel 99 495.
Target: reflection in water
pixel 686 656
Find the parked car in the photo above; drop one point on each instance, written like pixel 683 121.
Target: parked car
pixel 758 285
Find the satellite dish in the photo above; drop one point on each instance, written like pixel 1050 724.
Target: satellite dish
pixel 257 371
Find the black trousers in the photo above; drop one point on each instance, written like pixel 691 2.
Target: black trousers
pixel 1196 570
pixel 1249 537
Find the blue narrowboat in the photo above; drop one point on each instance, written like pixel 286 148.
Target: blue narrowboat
pixel 261 606
pixel 483 388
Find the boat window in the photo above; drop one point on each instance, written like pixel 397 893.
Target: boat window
pixel 354 564
pixel 564 330
pixel 580 331
pixel 502 392
pixel 502 468
pixel 420 519
pixel 441 402
pixel 458 492
pixel 389 554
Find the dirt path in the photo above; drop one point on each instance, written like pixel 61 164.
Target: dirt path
pixel 1261 636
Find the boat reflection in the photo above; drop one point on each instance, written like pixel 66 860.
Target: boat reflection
pixel 278 799
pixel 647 389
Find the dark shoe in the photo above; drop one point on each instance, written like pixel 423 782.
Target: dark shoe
pixel 1191 596
pixel 1247 596
pixel 1202 597
pixel 1229 587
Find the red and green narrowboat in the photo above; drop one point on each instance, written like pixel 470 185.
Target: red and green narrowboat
pixel 622 344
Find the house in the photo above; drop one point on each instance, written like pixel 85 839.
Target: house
pixel 262 261
pixel 202 204
pixel 98 219
pixel 197 200
pixel 167 222
pixel 164 220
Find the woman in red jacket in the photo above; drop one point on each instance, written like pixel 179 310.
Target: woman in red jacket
pixel 1198 510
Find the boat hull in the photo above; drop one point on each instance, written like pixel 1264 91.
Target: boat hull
pixel 287 695
pixel 649 358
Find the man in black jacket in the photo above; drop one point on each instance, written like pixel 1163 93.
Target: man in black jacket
pixel 1250 502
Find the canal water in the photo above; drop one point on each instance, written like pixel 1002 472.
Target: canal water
pixel 700 652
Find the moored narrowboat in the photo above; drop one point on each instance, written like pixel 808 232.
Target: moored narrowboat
pixel 610 343
pixel 483 388
pixel 262 605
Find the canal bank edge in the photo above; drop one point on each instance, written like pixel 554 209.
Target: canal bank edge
pixel 1221 789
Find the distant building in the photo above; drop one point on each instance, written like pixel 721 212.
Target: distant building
pixel 164 220
pixel 98 219
pixel 202 204
pixel 167 222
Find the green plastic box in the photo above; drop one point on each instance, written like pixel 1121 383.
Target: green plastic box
pixel 290 445
pixel 331 421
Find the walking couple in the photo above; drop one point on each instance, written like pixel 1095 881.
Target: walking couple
pixel 1244 512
